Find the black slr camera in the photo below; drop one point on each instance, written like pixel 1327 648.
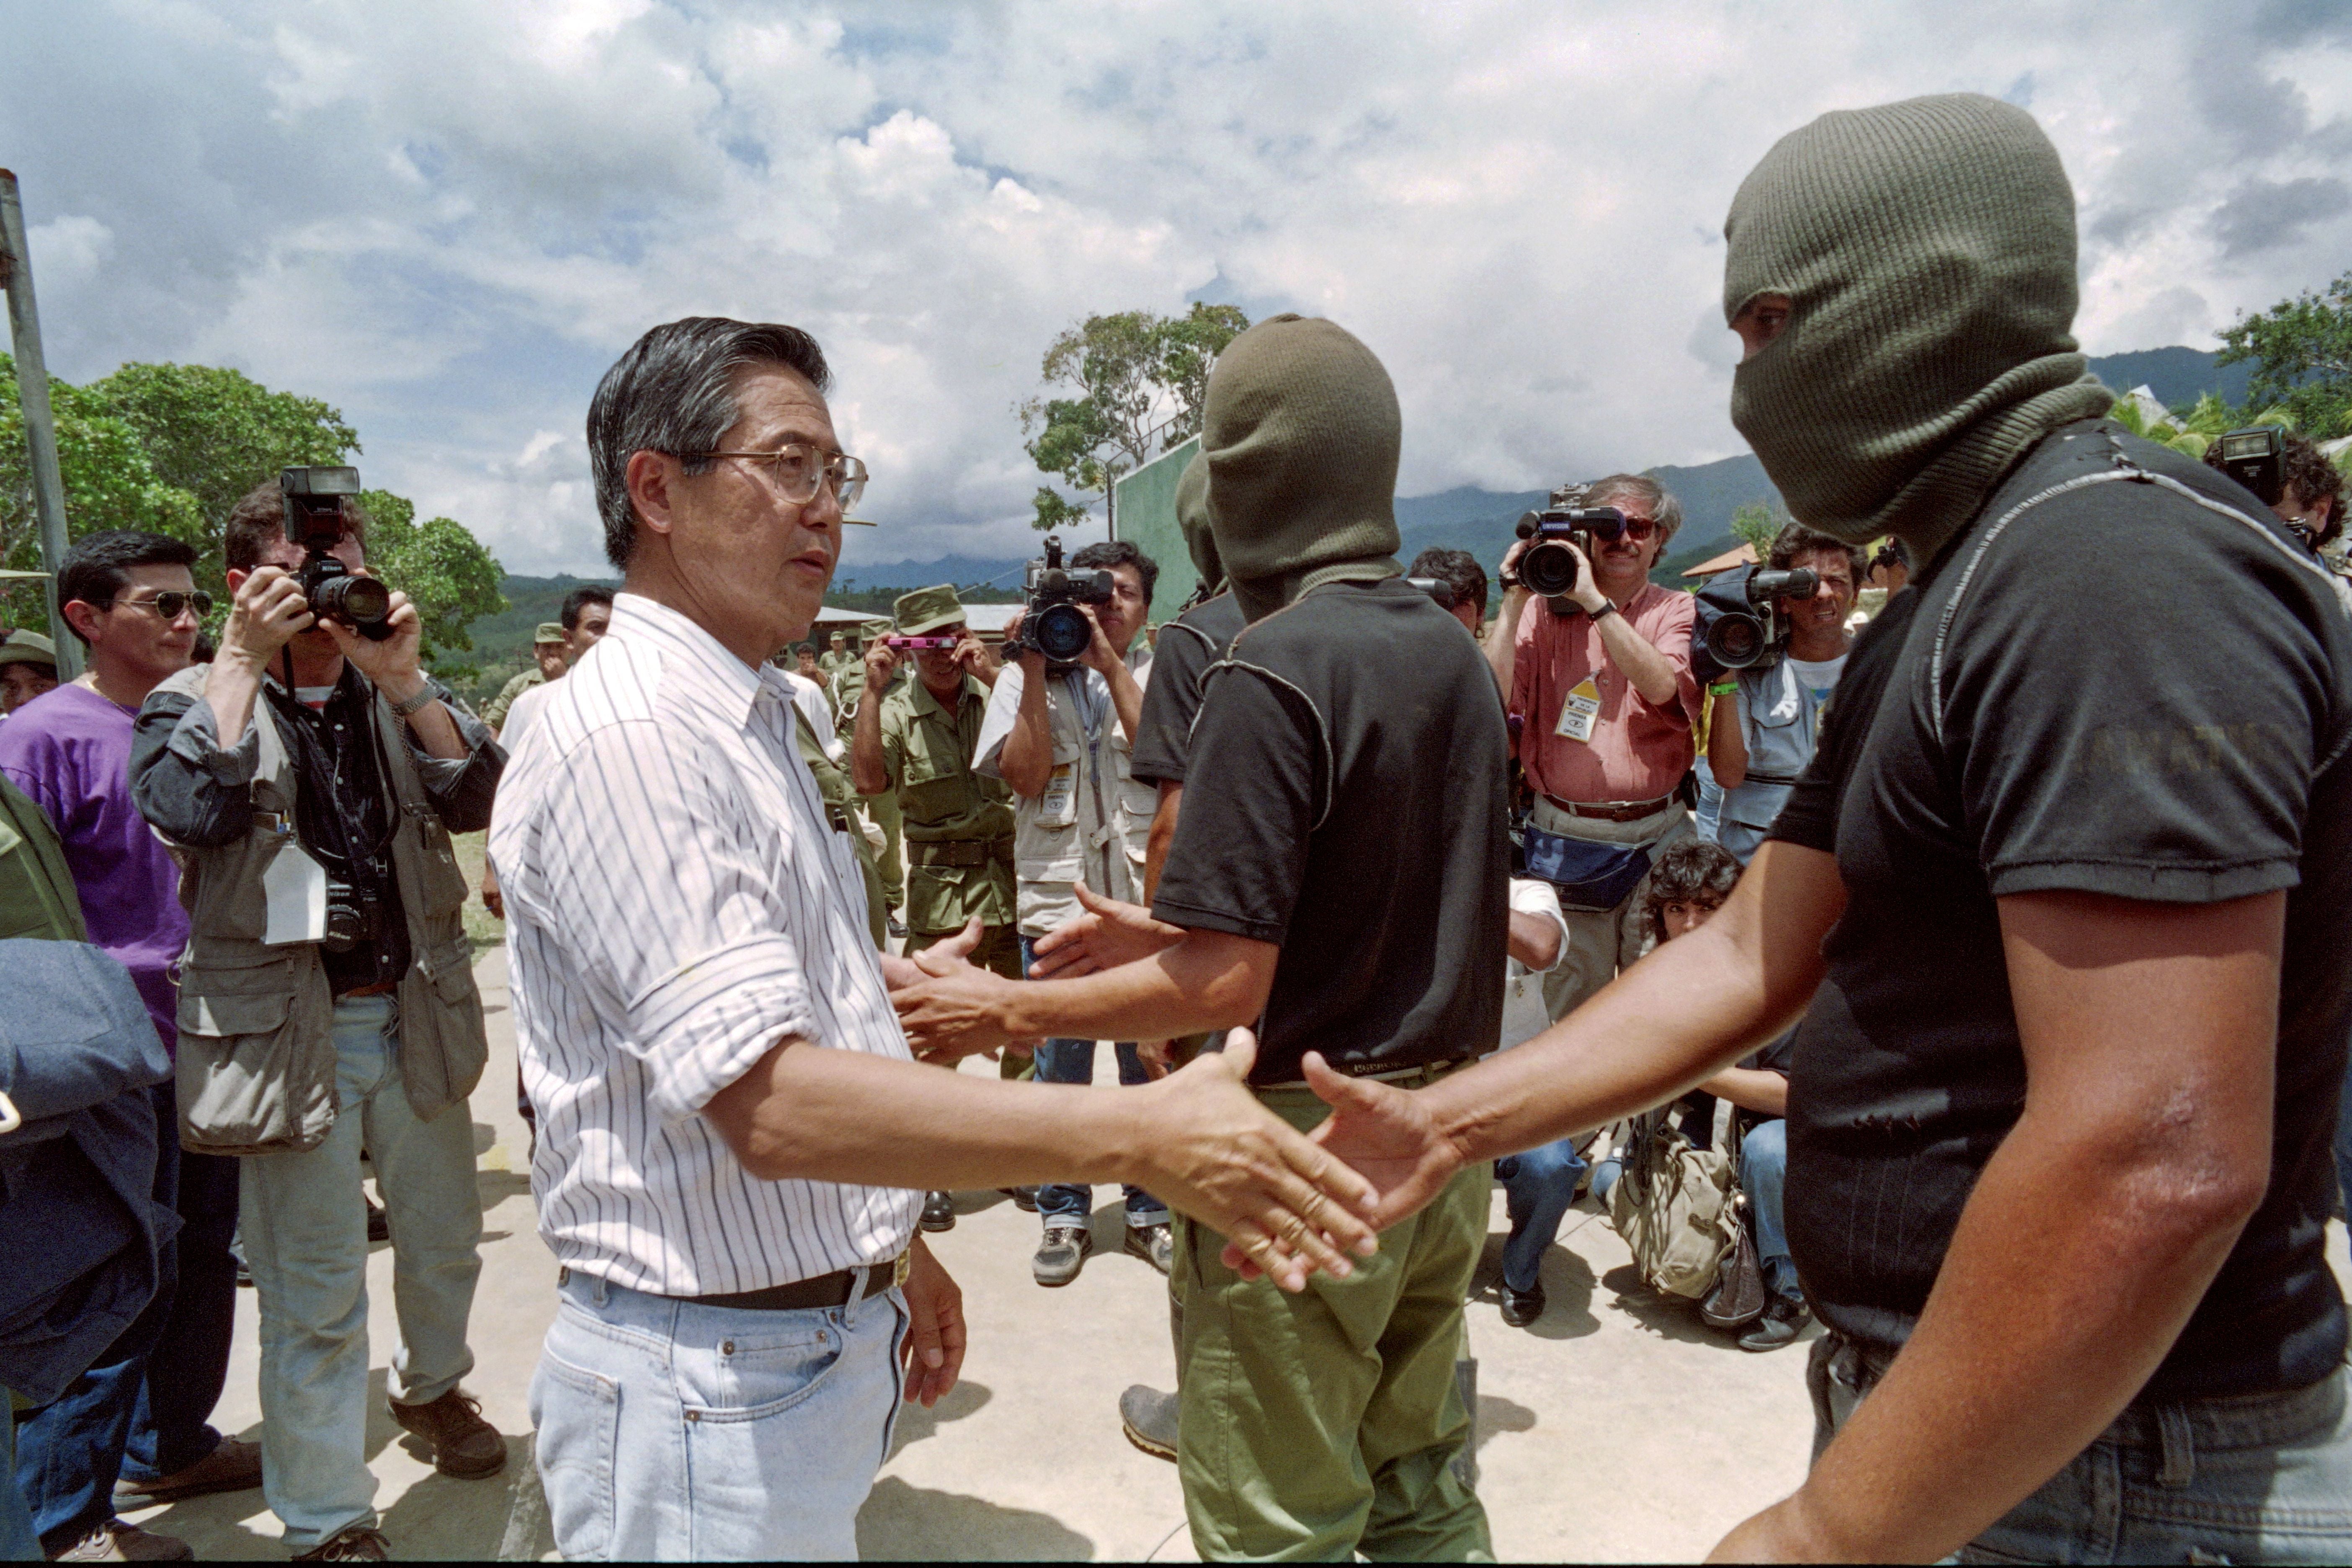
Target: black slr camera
pixel 314 519
pixel 2256 459
pixel 1739 619
pixel 1547 568
pixel 1052 623
pixel 355 918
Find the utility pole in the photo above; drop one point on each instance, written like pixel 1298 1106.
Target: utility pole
pixel 40 425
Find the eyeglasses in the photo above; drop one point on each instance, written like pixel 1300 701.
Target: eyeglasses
pixel 171 605
pixel 797 470
pixel 1637 529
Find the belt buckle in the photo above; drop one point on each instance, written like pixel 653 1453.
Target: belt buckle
pixel 900 1266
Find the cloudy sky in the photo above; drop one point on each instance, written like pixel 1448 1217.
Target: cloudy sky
pixel 447 217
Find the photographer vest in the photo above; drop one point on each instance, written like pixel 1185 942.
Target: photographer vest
pixel 1093 822
pixel 256 1055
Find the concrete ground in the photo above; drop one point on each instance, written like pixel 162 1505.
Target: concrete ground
pixel 1616 1428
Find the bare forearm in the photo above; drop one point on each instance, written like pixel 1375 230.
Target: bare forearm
pixel 1157 842
pixel 1189 988
pixel 1688 1010
pixel 1651 673
pixel 1127 698
pixel 844 1116
pixel 866 767
pixel 231 686
pixel 1727 747
pixel 437 733
pixel 2046 1320
pixel 1027 760
pixel 1750 1088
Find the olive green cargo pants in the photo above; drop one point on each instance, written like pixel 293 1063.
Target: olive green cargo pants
pixel 1317 1426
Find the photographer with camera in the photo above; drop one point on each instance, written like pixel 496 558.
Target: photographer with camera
pixel 1601 699
pixel 311 777
pixel 2292 478
pixel 1767 717
pixel 1061 732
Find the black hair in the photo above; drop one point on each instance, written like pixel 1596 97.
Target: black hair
pixel 578 599
pixel 1458 570
pixel 258 522
pixel 673 392
pixel 99 566
pixel 1692 872
pixel 1795 539
pixel 1111 552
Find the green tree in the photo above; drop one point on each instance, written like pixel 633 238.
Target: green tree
pixel 440 567
pixel 2301 350
pixel 1756 524
pixel 1137 382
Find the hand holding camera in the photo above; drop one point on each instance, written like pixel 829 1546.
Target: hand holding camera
pixel 881 662
pixel 1058 621
pixel 1554 558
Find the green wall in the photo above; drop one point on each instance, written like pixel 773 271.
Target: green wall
pixel 1147 515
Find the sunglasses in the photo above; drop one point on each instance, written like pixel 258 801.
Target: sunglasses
pixel 170 606
pixel 1612 525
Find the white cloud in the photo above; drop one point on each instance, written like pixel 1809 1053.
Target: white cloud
pixel 449 217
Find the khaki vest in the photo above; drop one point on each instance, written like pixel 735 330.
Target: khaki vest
pixel 1100 835
pixel 256 1057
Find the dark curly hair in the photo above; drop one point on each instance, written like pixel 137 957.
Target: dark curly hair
pixel 2310 478
pixel 1692 872
pixel 1795 539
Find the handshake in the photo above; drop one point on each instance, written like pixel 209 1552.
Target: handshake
pixel 1286 1204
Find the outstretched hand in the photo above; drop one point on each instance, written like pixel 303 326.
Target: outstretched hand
pixel 939 958
pixel 1386 1135
pixel 1285 1205
pixel 1104 934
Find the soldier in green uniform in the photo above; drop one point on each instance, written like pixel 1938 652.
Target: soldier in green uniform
pixel 881 810
pixel 836 658
pixel 547 656
pixel 833 782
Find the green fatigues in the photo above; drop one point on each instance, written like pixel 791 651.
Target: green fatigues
pixel 1332 1422
pixel 37 897
pixel 834 664
pixel 495 715
pixel 882 810
pixel 840 810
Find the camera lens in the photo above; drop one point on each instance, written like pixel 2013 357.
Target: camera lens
pixel 1062 632
pixel 1736 642
pixel 1549 570
pixel 361 601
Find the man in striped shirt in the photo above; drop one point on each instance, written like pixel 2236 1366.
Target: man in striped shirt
pixel 734 1138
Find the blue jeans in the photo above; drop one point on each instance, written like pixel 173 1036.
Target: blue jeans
pixel 305 1227
pixel 1763 1163
pixel 1706 817
pixel 675 1431
pixel 1073 1061
pixel 2260 1479
pixel 186 1373
pixel 69 1451
pixel 1537 1188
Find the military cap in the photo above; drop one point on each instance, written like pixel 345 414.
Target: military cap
pixel 874 628
pixel 926 610
pixel 28 647
pixel 549 631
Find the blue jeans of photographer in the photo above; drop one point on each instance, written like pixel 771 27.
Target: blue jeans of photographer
pixel 1538 1187
pixel 1073 1061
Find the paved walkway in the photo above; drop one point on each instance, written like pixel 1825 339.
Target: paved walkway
pixel 1617 1428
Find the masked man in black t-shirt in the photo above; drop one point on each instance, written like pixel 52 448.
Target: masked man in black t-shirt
pixel 2062 901
pixel 1337 878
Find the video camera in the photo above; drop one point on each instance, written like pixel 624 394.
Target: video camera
pixel 316 521
pixel 1051 623
pixel 1437 588
pixel 1740 622
pixel 1547 568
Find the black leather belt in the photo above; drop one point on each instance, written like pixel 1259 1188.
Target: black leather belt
pixel 838 1289
pixel 961 851
pixel 1612 811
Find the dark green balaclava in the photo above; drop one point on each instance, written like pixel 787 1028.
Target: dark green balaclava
pixel 1927 249
pixel 1192 517
pixel 1300 431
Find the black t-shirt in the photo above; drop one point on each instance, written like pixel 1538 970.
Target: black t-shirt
pixel 1346 800
pixel 1187 646
pixel 2140 686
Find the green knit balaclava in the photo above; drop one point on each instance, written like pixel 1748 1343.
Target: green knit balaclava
pixel 1192 517
pixel 1300 431
pixel 1927 249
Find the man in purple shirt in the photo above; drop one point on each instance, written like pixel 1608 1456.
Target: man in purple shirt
pixel 140 1416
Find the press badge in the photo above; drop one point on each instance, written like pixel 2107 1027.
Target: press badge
pixel 296 887
pixel 1578 713
pixel 1060 806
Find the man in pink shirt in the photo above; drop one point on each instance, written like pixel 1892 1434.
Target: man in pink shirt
pixel 1601 698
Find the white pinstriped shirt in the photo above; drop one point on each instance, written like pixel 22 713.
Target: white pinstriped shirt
pixel 676 902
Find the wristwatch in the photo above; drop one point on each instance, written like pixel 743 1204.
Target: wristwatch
pixel 416 704
pixel 1607 608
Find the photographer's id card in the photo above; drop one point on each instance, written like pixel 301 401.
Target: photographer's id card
pixel 1060 806
pixel 296 888
pixel 1579 712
